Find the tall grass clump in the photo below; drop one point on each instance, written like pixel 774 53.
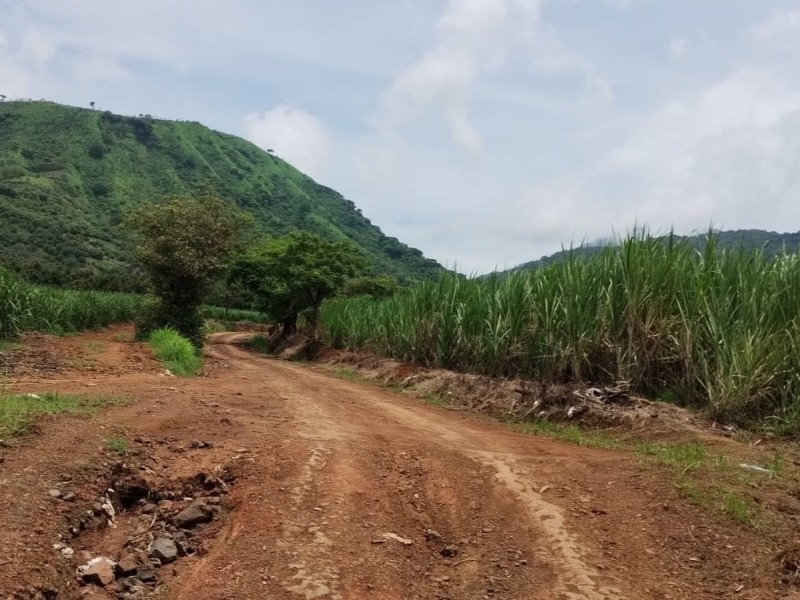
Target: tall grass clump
pixel 717 330
pixel 175 351
pixel 27 307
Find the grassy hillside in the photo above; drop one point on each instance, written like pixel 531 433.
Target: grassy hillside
pixel 770 242
pixel 68 176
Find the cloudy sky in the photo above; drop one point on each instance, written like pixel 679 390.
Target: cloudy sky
pixel 484 132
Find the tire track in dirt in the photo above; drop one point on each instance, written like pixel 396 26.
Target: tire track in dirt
pixel 353 415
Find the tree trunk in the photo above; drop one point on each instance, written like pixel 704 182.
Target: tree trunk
pixel 289 324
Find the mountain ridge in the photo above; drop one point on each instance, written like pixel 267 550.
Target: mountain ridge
pixel 772 242
pixel 68 176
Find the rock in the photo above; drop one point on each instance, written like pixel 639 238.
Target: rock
pixel 164 549
pixel 68 496
pixel 449 551
pixel 54 493
pixel 193 514
pixel 432 536
pixel 146 573
pixel 99 571
pixel 397 538
pixel 149 508
pixel 127 565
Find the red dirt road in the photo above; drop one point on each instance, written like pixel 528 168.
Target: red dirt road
pixel 326 468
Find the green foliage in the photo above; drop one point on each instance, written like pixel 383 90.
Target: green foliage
pixel 183 243
pixel 19 411
pixel 296 273
pixel 116 445
pixel 720 329
pixel 175 351
pixel 27 307
pixel 374 287
pixel 69 175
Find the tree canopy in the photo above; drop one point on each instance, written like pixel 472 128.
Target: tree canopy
pixel 296 273
pixel 182 244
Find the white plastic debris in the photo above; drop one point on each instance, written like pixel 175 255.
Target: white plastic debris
pixel 755 468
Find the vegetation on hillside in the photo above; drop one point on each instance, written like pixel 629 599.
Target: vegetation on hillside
pixel 68 176
pixel 27 307
pixel 772 244
pixel 717 330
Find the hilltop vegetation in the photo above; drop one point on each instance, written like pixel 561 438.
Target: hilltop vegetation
pixel 770 242
pixel 69 175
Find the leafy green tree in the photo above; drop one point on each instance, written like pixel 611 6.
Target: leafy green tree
pixel 382 286
pixel 296 273
pixel 182 244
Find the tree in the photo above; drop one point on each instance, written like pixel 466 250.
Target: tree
pixel 182 244
pixel 91 103
pixel 382 286
pixel 296 273
pixel 3 97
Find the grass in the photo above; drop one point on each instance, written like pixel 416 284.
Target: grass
pixel 567 432
pixel 736 506
pixel 19 411
pixel 116 445
pixel 348 375
pixel 717 330
pixel 27 307
pixel 688 456
pixel 176 352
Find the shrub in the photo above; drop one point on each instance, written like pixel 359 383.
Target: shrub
pixel 175 351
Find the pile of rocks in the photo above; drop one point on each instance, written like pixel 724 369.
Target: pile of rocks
pixel 134 573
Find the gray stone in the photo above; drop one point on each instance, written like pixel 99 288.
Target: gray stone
pixel 68 496
pixel 190 516
pixel 146 573
pixel 54 493
pixel 449 551
pixel 164 549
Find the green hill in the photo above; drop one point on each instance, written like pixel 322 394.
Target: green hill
pixel 69 175
pixel 771 242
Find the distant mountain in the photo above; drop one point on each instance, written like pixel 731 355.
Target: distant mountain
pixel 68 175
pixel 770 241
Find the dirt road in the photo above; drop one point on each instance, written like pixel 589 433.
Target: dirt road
pixel 345 491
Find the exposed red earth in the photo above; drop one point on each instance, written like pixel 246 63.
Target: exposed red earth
pixel 276 480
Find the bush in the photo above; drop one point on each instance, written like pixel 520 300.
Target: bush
pixel 175 351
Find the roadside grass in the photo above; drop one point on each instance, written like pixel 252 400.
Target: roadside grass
pixel 116 445
pixel 94 347
pixel 686 456
pixel 175 351
pixel 568 432
pixel 348 375
pixel 19 411
pixel 715 330
pixel 6 345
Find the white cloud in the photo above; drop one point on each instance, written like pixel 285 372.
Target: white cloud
pixel 781 29
pixel 474 37
pixel 295 135
pixel 679 48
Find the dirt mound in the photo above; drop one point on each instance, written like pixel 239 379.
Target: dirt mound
pixel 517 399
